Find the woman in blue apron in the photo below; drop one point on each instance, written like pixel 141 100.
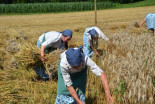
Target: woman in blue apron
pixel 72 75
pixel 90 40
pixel 50 41
pixel 150 22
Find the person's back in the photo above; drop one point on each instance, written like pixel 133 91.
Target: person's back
pixel 51 39
pixel 150 21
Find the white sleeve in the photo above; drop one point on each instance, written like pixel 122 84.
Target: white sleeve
pixel 49 41
pixel 93 67
pixel 101 34
pixel 66 77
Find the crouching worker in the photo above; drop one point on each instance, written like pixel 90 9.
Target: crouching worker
pixel 150 22
pixel 90 40
pixel 51 41
pixel 72 75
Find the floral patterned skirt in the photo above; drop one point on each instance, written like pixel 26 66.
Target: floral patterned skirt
pixel 68 99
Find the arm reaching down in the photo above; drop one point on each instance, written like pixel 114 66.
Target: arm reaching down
pixel 98 72
pixel 106 88
pixel 42 53
pixel 94 50
pixel 74 94
pixel 142 23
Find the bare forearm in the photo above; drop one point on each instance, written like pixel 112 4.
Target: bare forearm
pixel 142 23
pixel 74 94
pixel 42 50
pixel 94 50
pixel 106 88
pixel 105 84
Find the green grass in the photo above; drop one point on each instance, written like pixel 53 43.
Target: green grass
pixel 137 4
pixel 66 7
pixel 52 7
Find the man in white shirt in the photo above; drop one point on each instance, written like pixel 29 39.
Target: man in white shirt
pixel 72 74
pixel 49 41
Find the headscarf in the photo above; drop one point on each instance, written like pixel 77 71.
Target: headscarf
pixel 93 32
pixel 67 32
pixel 74 56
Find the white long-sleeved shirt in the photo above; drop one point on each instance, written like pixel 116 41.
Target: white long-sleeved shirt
pixel 100 33
pixel 67 69
pixel 52 39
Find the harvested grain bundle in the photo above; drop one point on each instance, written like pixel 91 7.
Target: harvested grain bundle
pixel 75 42
pixel 12 63
pixel 51 64
pixel 29 56
pixel 136 24
pixel 12 46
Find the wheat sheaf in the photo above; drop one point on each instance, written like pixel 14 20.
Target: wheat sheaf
pixel 29 56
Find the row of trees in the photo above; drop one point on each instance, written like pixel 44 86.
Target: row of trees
pixel 45 1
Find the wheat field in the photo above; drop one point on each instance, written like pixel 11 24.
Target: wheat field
pixel 128 61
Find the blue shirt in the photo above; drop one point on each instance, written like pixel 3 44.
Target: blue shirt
pixel 150 20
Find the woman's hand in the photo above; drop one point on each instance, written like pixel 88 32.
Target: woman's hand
pixel 104 80
pixel 97 53
pixel 42 54
pixel 110 100
pixel 81 102
pixel 43 59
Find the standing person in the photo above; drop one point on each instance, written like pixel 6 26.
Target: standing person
pixel 72 75
pixel 90 40
pixel 50 41
pixel 150 22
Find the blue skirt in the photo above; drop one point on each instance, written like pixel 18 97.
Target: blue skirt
pixel 86 48
pixel 68 99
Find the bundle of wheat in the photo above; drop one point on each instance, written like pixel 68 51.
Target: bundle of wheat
pixel 75 42
pixel 51 64
pixel 136 24
pixel 29 56
pixel 12 46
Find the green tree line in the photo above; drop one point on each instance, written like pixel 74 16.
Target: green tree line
pixel 52 1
